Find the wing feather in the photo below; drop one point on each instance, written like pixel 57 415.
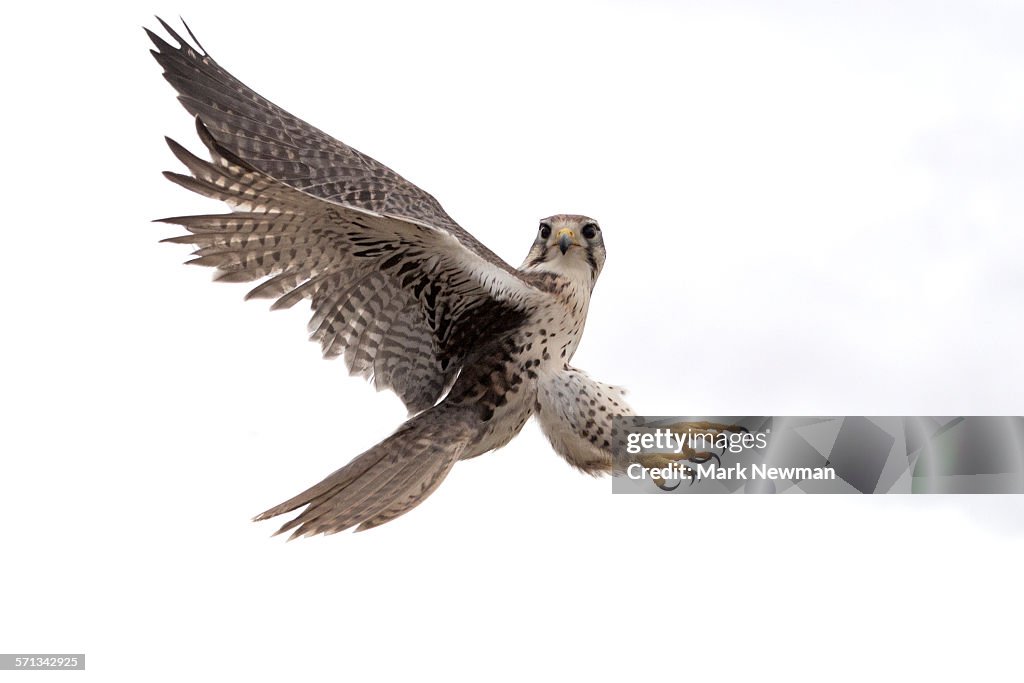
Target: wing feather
pixel 403 302
pixel 396 286
pixel 287 148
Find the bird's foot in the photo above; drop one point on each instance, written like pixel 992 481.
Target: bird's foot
pixel 706 434
pixel 665 467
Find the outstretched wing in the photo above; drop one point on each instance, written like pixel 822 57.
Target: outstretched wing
pixel 394 283
pixel 287 148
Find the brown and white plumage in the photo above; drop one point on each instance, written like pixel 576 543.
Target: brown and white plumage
pixel 471 345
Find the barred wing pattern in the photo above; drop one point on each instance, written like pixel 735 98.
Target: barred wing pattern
pixel 289 149
pixel 402 297
pixel 405 302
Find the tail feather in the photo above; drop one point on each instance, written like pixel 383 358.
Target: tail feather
pixel 404 482
pixel 383 483
pixel 399 506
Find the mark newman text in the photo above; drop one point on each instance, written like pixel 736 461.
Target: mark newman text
pixel 713 471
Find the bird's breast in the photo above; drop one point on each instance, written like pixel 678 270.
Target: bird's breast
pixel 554 331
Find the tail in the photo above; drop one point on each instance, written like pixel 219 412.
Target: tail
pixel 383 483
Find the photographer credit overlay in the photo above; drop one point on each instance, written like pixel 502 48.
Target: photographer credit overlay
pixel 818 455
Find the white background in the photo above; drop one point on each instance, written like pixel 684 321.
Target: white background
pixel 807 211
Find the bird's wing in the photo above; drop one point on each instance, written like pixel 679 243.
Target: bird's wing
pixel 287 148
pixel 395 285
pixel 576 413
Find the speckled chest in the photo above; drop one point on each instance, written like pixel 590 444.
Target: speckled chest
pixel 505 381
pixel 553 333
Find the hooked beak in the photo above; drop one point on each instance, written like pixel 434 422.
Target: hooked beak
pixel 566 238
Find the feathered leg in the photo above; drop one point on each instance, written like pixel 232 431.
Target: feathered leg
pixel 577 414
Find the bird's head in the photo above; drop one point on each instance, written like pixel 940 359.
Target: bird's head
pixel 569 245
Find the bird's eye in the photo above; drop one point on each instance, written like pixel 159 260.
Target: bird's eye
pixel 589 230
pixel 545 231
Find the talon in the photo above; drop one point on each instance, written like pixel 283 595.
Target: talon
pixel 660 483
pixel 659 460
pixel 688 452
pixel 701 458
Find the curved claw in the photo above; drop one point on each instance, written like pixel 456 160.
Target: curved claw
pixel 664 487
pixel 701 458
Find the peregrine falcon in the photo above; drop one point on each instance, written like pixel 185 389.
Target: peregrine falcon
pixel 414 303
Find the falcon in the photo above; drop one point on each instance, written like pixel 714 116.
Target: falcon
pixel 472 346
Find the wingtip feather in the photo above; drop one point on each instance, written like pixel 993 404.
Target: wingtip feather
pixel 172 33
pixel 192 35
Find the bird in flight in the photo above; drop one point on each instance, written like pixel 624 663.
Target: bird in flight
pixel 473 346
